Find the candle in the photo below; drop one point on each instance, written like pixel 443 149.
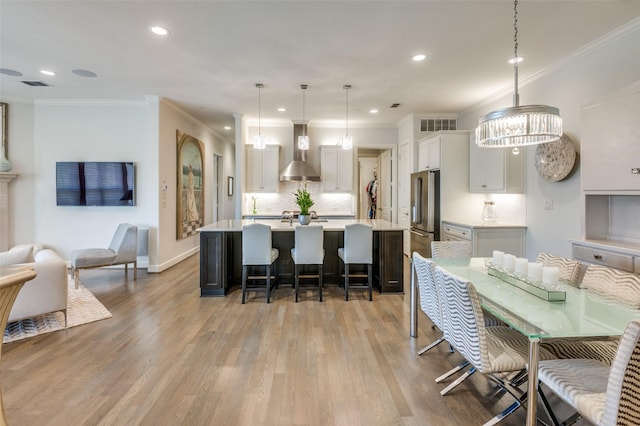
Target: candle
pixel 498 258
pixel 550 275
pixel 521 266
pixel 535 272
pixel 508 262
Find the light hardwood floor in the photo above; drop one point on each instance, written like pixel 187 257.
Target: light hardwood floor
pixel 170 357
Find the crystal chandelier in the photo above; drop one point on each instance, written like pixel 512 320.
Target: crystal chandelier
pixel 518 125
pixel 259 141
pixel 303 140
pixel 346 141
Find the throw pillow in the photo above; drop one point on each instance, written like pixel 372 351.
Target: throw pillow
pixel 18 254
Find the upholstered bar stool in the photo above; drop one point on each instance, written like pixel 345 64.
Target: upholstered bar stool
pixel 358 249
pixel 308 250
pixel 257 250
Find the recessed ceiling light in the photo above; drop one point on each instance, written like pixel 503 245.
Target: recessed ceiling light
pixel 227 127
pixel 84 73
pixel 281 109
pixel 47 72
pixel 518 60
pixel 7 71
pixel 157 29
pixel 373 111
pixel 419 57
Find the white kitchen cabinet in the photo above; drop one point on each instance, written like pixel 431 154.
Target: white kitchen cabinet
pixel 495 170
pixel 486 238
pixel 263 169
pixel 609 148
pixel 336 169
pixel 429 153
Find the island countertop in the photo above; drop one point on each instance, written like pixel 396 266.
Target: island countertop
pixel 232 225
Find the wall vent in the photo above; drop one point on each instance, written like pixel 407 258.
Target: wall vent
pixel 437 124
pixel 36 83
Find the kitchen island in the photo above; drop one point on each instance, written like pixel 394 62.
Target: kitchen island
pixel 221 253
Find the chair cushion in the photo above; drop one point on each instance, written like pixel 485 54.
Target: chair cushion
pixel 580 382
pixel 87 258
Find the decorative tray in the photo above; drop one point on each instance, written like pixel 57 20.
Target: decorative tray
pixel 548 294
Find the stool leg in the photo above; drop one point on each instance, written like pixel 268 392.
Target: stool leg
pixel 369 268
pixel 346 281
pixel 76 276
pixel 244 281
pixel 320 281
pixel 135 270
pixel 268 282
pixel 296 283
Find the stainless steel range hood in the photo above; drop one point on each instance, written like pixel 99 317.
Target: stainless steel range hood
pixel 298 169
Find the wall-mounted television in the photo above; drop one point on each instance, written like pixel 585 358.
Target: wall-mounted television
pixel 95 183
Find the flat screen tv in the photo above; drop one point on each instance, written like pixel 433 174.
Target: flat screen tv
pixel 95 184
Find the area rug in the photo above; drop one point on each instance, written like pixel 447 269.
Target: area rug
pixel 82 308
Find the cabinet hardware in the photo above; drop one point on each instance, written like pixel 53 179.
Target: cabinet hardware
pixel 635 171
pixel 484 186
pixel 597 257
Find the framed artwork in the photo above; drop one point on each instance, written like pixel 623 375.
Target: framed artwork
pixel 3 128
pixel 190 185
pixel 230 186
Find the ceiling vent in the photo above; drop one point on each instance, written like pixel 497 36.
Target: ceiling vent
pixel 36 83
pixel 396 105
pixel 437 124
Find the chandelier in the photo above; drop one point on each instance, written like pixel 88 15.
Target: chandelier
pixel 303 140
pixel 346 141
pixel 518 125
pixel 259 141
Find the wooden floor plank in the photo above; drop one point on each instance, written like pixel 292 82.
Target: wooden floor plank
pixel 168 356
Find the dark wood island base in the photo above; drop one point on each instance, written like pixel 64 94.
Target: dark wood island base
pixel 221 254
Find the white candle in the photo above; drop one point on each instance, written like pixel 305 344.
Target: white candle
pixel 550 275
pixel 498 258
pixel 508 262
pixel 521 266
pixel 535 271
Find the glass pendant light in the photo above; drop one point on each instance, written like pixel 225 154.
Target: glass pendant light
pixel 346 141
pixel 259 141
pixel 518 125
pixel 303 140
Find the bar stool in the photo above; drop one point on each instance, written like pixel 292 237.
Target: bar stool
pixel 308 250
pixel 358 249
pixel 257 250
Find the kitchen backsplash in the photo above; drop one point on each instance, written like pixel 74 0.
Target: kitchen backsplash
pixel 275 203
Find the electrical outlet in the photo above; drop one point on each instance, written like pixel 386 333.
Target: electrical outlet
pixel 548 204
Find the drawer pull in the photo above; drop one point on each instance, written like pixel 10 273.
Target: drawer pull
pixel 597 257
pixel 635 171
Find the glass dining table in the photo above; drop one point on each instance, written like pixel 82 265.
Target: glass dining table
pixel 581 314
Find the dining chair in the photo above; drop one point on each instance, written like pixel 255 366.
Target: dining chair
pixel 308 250
pixel 604 395
pixel 257 250
pixel 569 268
pixel 490 350
pixel 358 249
pixel 451 249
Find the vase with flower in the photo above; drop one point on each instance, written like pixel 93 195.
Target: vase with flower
pixel 304 202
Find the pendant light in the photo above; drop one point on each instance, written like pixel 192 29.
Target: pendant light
pixel 518 125
pixel 259 141
pixel 303 140
pixel 346 141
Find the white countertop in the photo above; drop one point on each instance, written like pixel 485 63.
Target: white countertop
pixel 481 224
pixel 276 225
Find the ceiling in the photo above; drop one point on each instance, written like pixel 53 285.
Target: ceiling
pixel 218 50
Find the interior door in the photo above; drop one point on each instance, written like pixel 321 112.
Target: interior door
pixel 385 187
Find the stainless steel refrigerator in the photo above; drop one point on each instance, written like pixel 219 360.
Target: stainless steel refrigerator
pixel 425 211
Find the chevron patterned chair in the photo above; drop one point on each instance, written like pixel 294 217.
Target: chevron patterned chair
pixel 569 268
pixel 604 395
pixel 451 249
pixel 490 350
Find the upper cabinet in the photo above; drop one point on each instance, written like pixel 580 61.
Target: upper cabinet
pixel 336 169
pixel 262 169
pixel 609 147
pixel 495 170
pixel 429 153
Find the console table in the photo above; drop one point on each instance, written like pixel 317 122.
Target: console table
pixel 221 253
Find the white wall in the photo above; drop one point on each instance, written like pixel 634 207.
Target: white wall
pixel 601 68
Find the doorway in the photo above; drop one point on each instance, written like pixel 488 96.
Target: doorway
pixel 216 188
